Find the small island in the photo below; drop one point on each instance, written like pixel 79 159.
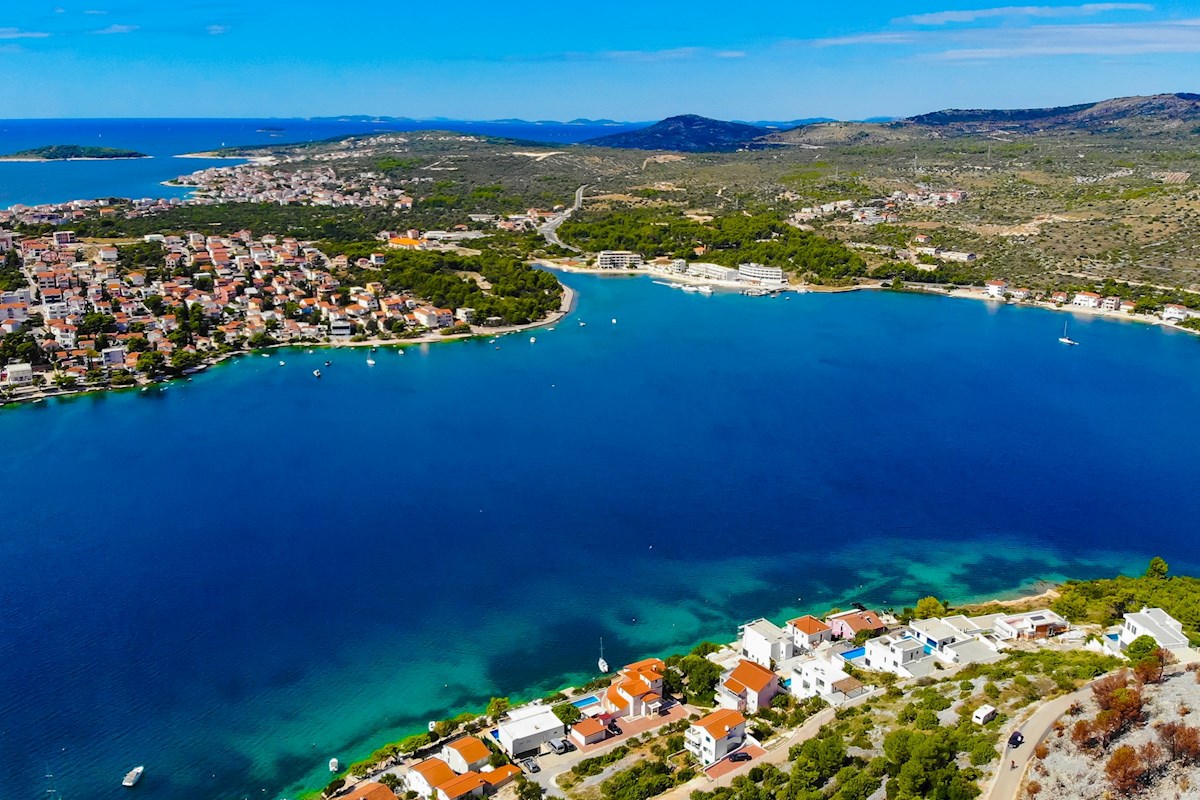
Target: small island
pixel 72 152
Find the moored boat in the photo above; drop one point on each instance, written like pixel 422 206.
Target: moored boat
pixel 133 776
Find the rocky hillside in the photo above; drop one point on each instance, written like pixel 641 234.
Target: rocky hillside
pixel 1162 113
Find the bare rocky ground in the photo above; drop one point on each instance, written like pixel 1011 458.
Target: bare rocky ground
pixel 1070 773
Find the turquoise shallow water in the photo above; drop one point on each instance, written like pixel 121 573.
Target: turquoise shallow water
pixel 236 578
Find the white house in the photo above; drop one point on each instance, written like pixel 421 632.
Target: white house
pixel 17 374
pixel 618 259
pixel 424 778
pixel 1152 622
pixel 1040 624
pixel 807 632
pixel 764 642
pixel 713 737
pixel 898 654
pixel 636 691
pixel 527 729
pixel 956 640
pixel 818 676
pixel 469 785
pixel 466 754
pixel 1086 300
pixel 113 356
pixel 996 288
pixel 1174 313
pixel 747 687
pixel 589 731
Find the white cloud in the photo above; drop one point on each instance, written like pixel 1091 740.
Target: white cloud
pixel 217 30
pixel 111 29
pixel 1180 36
pixel 17 33
pixel 672 54
pixel 974 15
pixel 865 38
pixel 730 54
pixel 93 12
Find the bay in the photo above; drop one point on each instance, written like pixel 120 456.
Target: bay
pixel 233 579
pixel 164 139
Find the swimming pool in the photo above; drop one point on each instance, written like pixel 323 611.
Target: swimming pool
pixel 584 702
pixel 857 652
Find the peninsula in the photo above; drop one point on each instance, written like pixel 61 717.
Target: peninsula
pixel 72 152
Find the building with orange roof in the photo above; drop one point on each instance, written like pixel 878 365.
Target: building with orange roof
pixel 636 691
pixel 713 737
pixel 807 632
pixel 466 754
pixel 470 784
pixel 371 791
pixel 747 687
pixel 499 777
pixel 425 778
pixel 589 731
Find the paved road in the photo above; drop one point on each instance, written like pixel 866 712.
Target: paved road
pixel 550 229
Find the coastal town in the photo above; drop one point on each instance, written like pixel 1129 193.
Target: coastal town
pixel 120 315
pixel 727 712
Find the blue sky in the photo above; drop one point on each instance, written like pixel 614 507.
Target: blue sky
pixel 565 59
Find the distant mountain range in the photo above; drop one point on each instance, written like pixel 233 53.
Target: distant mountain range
pixel 1155 115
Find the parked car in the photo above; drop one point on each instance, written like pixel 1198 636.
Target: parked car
pixel 529 765
pixel 614 729
pixel 740 755
pixel 559 746
pixel 1016 739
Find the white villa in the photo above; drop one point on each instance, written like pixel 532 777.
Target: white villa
pixel 1155 623
pixel 618 259
pixel 636 691
pixel 713 737
pixel 747 687
pixel 765 643
pixel 527 729
pixel 820 676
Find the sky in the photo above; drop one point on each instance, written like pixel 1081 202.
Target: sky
pixel 564 59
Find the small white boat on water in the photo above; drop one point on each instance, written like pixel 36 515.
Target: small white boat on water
pixel 282 363
pixel 582 324
pixel 704 289
pixel 602 664
pixel 334 766
pixel 316 373
pixel 266 355
pixel 133 776
pixel 370 362
pixel 614 320
pixel 533 340
pixel 400 352
pixel 1066 339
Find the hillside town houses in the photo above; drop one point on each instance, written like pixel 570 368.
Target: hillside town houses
pixel 90 310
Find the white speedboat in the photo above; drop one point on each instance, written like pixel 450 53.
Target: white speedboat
pixel 133 776
pixel 704 289
pixel 614 321
pixel 582 324
pixel 400 352
pixel 334 766
pixel 1066 339
pixel 533 340
pixel 370 362
pixel 316 373
pixel 282 363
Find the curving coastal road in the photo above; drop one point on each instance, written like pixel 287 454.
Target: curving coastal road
pixel 550 229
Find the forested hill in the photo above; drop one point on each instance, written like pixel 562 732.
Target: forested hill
pixel 688 134
pixel 67 152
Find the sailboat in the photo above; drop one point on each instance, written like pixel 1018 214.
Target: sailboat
pixel 602 664
pixel 1066 339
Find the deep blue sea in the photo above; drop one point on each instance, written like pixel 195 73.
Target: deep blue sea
pixel 232 580
pixel 33 183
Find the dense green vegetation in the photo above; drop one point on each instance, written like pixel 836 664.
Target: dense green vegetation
pixel 519 293
pixel 729 240
pixel 10 272
pixel 1104 601
pixel 62 152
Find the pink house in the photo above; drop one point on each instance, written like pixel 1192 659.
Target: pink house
pixel 849 624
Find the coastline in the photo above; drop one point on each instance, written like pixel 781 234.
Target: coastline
pixel 1024 600
pixel 57 160
pixel 566 306
pixel 213 156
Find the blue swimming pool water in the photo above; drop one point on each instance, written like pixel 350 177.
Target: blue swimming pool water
pixel 585 702
pixel 857 652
